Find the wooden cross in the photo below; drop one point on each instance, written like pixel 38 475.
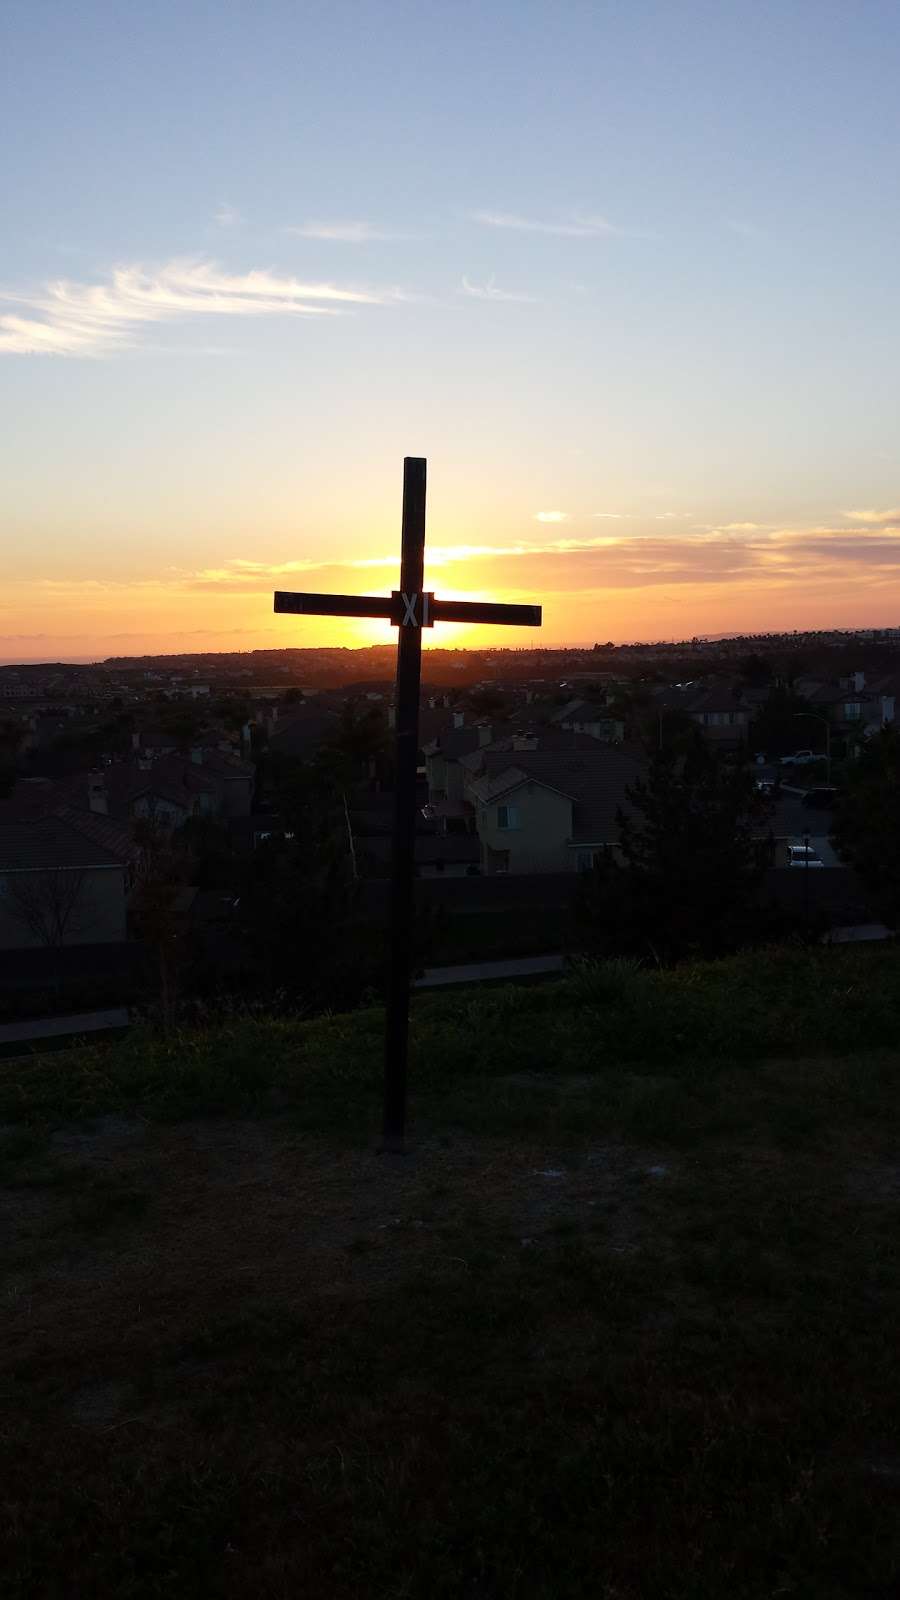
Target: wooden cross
pixel 409 609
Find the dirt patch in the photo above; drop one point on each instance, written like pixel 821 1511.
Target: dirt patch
pixel 102 1405
pixel 102 1138
pixel 249 1212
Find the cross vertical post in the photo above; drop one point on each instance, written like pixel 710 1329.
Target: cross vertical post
pixel 409 672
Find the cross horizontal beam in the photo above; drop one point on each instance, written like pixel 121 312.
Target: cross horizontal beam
pixel 403 610
pixel 334 605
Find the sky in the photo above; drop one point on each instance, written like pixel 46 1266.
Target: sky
pixel 627 275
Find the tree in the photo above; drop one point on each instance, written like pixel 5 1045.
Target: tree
pixel 12 734
pixel 296 916
pixel 685 880
pixel 53 905
pixel 865 831
pixel 774 729
pixel 164 869
pixel 184 723
pixel 485 702
pixel 360 742
pixel 233 711
pixel 755 670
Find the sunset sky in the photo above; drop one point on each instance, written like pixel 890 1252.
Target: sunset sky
pixel 627 274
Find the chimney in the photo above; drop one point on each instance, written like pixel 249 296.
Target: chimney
pixel 485 734
pixel 97 799
pixel 197 755
pixel 459 719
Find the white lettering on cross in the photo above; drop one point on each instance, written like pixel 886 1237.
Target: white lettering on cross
pixel 410 620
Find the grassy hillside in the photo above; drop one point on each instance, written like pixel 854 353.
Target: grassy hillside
pixel 612 1022
pixel 622 1323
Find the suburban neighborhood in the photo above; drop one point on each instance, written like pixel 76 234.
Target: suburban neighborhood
pixel 117 775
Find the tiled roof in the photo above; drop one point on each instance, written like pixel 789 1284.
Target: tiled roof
pixel 47 843
pixel 223 765
pixel 569 709
pixel 457 742
pixel 102 830
pixel 492 784
pixel 304 730
pixel 545 739
pixel 717 700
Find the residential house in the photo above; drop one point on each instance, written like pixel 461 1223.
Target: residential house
pixel 439 850
pixel 582 716
pixel 550 811
pixel 723 715
pixel 852 709
pixel 444 774
pixel 234 781
pixel 300 731
pixel 152 743
pixel 168 791
pixel 64 880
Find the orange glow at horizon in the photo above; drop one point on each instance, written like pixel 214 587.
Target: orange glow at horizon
pixel 650 584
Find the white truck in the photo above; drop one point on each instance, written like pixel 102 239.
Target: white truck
pixel 800 758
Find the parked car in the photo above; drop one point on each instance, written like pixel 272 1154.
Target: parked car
pixel 765 786
pixel 802 855
pixel 821 799
pixel 800 758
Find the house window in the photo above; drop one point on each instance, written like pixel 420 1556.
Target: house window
pixel 585 860
pixel 853 711
pixel 507 817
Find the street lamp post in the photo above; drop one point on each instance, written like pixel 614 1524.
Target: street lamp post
pixel 813 716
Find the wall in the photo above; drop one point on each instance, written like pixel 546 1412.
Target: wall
pixel 239 796
pixel 540 843
pixel 165 812
pixel 98 916
pixel 436 770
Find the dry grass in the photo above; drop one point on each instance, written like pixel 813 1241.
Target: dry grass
pixel 562 1348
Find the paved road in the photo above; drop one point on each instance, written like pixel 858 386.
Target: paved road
pixel 63 1027
pixel 479 971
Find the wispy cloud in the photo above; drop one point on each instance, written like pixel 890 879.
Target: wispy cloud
pixel 777 558
pixel 744 229
pixel 573 227
pixel 342 232
pixel 95 319
pixel 228 216
pixel 673 516
pixel 489 291
pixel 551 516
pixel 825 562
pixel 875 519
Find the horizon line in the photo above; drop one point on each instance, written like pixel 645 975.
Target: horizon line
pixel 623 644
